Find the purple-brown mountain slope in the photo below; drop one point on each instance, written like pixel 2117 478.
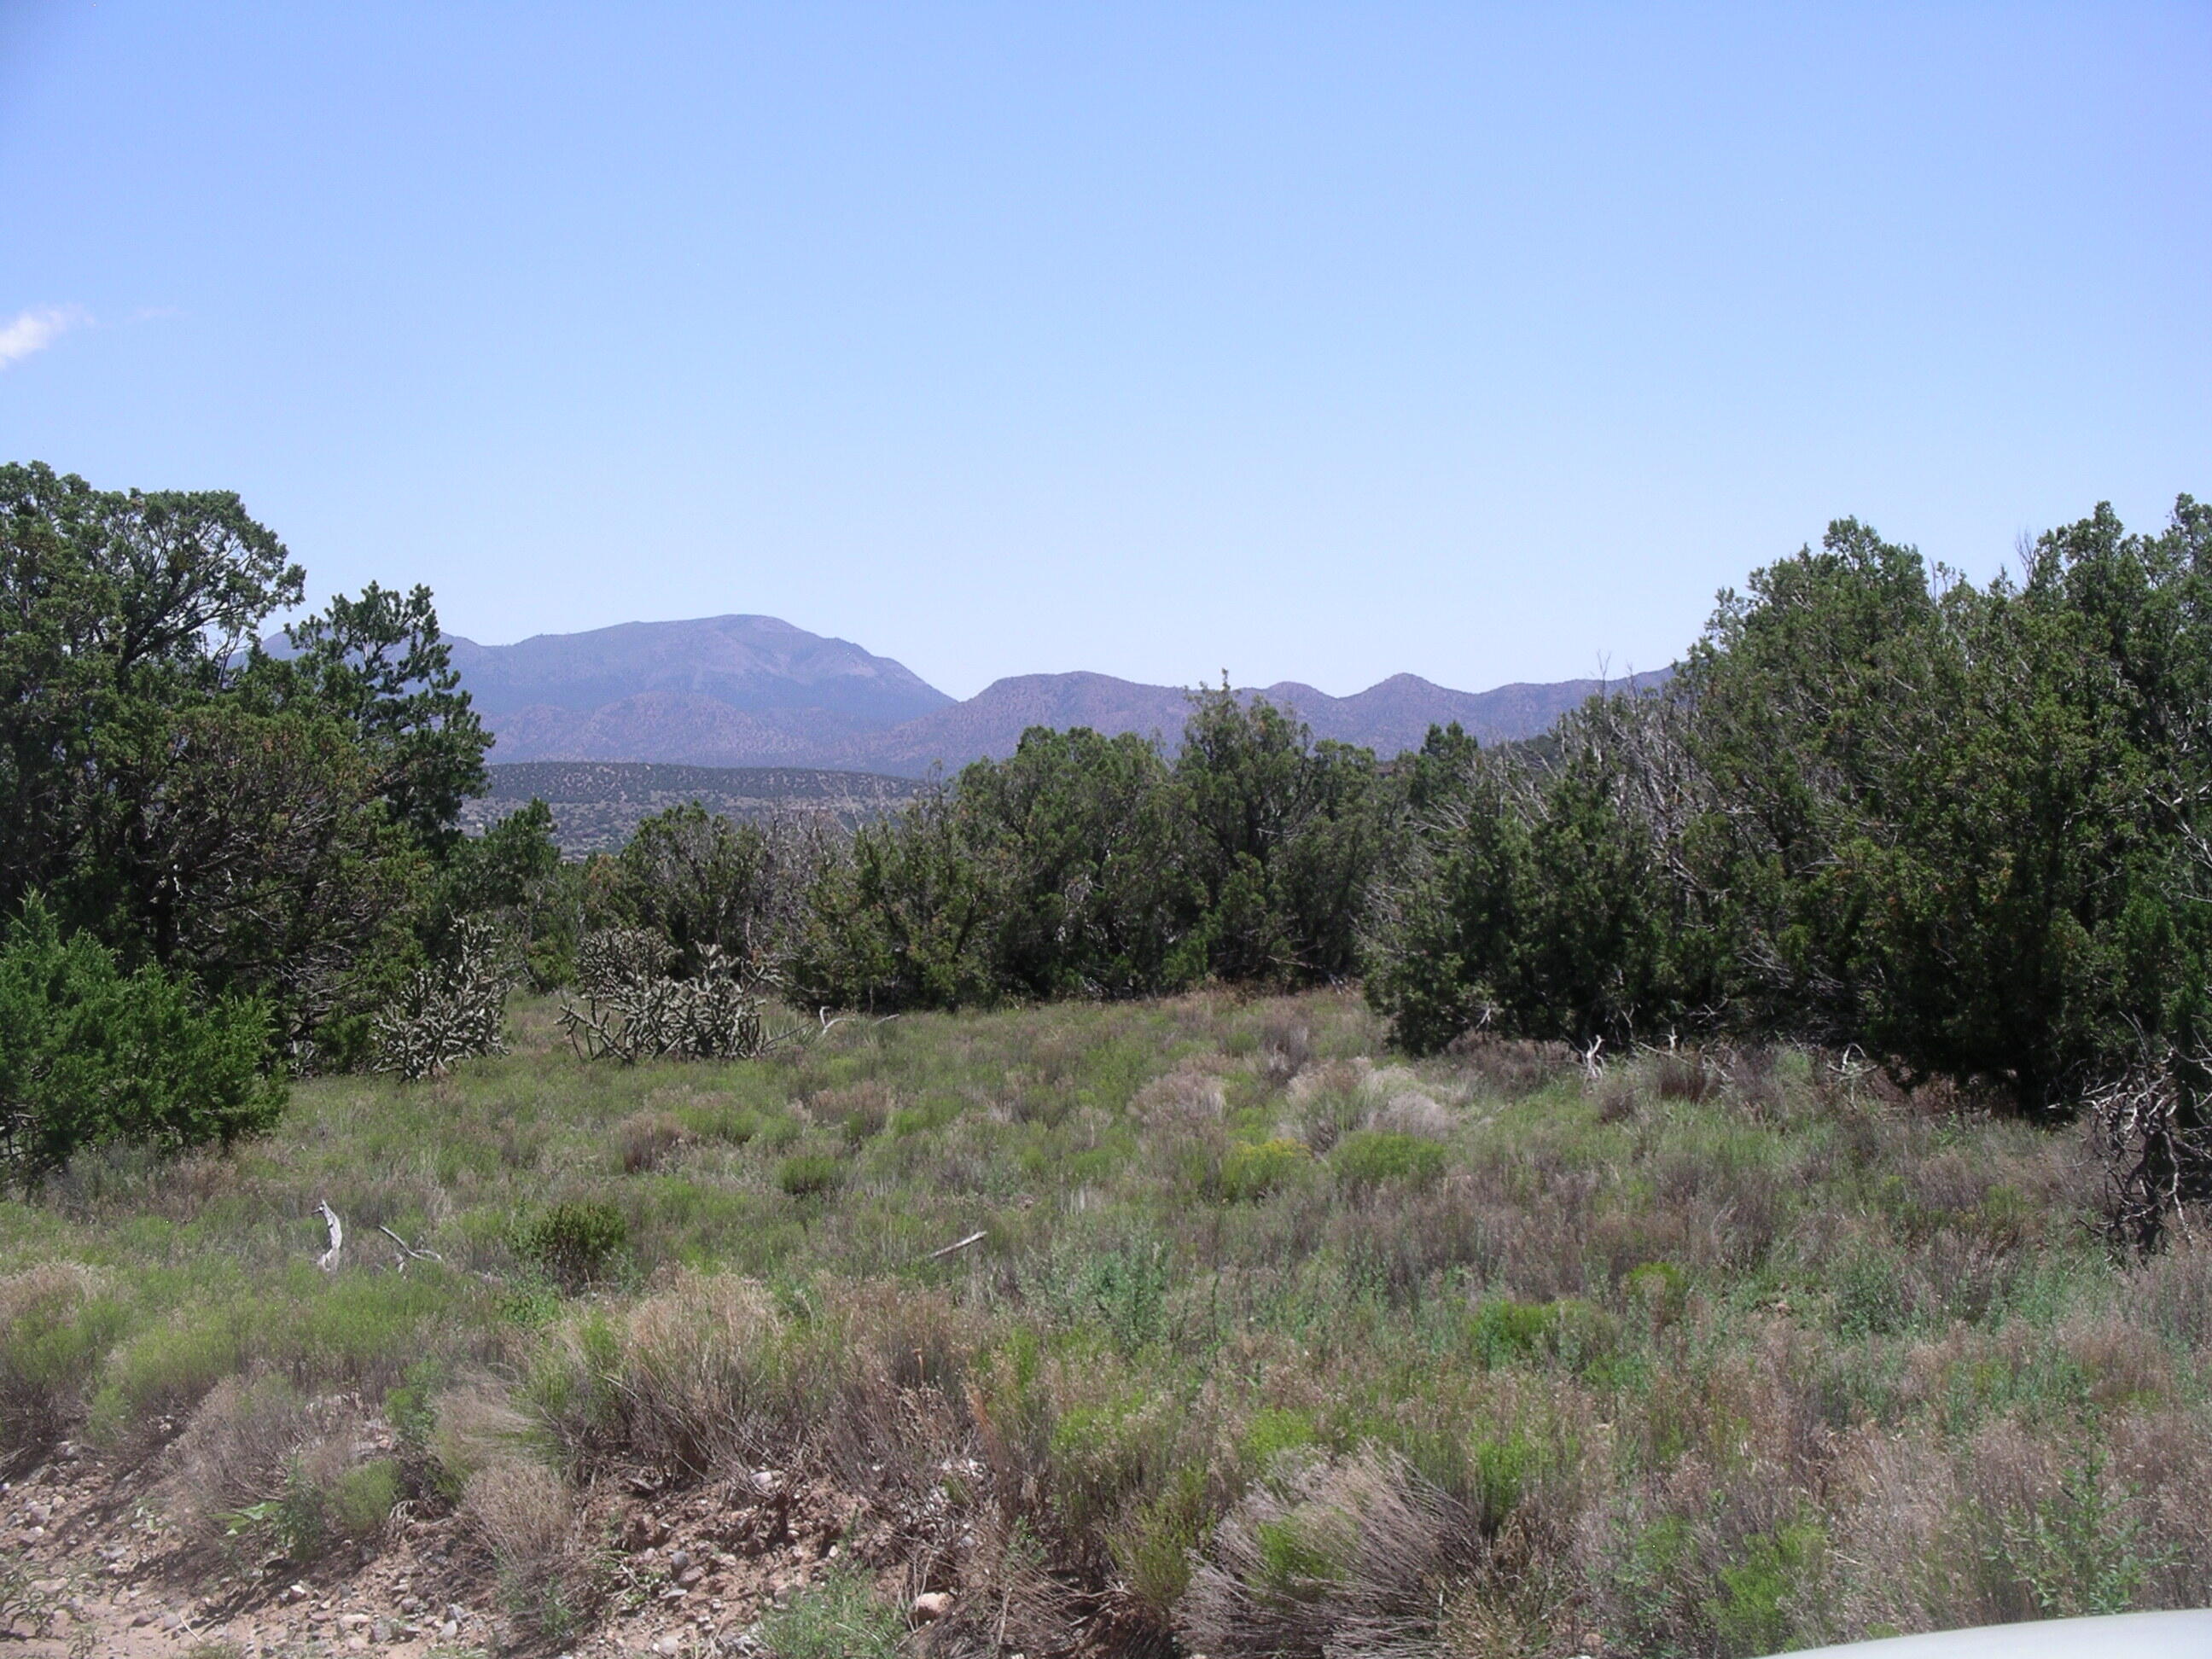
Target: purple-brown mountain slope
pixel 1388 718
pixel 755 691
pixel 718 691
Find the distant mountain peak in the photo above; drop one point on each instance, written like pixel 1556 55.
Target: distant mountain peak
pixel 742 689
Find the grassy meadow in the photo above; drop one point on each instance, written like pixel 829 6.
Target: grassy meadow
pixel 1270 1340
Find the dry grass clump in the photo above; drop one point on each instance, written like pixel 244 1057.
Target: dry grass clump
pixel 1617 1093
pixel 473 1425
pixel 646 1139
pixel 685 1378
pixel 2172 1290
pixel 858 1112
pixel 1190 1095
pixel 1686 1074
pixel 1413 1112
pixel 2013 1524
pixel 1347 1556
pixel 535 1528
pixel 707 1373
pixel 237 1448
pixel 1753 1078
pixel 1285 1047
pixel 259 1460
pixel 1334 1099
pixel 1512 1068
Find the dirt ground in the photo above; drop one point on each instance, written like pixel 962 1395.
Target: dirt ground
pixel 89 1568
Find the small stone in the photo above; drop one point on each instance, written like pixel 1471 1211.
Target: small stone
pixel 455 1612
pixel 690 1576
pixel 353 1620
pixel 679 1560
pixel 356 1643
pixel 411 1604
pixel 449 1629
pixel 380 1631
pixel 668 1644
pixel 931 1606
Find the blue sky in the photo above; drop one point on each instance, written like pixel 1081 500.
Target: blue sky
pixel 1309 342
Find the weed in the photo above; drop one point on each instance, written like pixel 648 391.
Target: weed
pixel 840 1618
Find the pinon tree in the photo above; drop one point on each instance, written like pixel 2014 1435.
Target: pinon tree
pixel 259 822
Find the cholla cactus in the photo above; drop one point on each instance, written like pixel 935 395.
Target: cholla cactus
pixel 448 1012
pixel 633 1009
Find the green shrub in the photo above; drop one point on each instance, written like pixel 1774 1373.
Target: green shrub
pixel 1154 1545
pixel 414 1420
pixel 734 1126
pixel 1371 1158
pixel 1870 1296
pixel 2079 1551
pixel 573 1243
pixel 164 1371
pixel 1253 1170
pixel 1271 1433
pixel 809 1176
pixel 1123 1292
pixel 90 1056
pixel 359 1502
pixel 1503 1466
pixel 319 1511
pixel 1506 1333
pixel 1301 1555
pixel 1751 1616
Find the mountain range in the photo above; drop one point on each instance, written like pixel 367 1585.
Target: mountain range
pixel 754 691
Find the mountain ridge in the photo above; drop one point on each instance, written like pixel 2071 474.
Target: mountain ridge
pixel 743 691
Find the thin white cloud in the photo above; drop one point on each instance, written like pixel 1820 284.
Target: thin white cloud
pixel 36 329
